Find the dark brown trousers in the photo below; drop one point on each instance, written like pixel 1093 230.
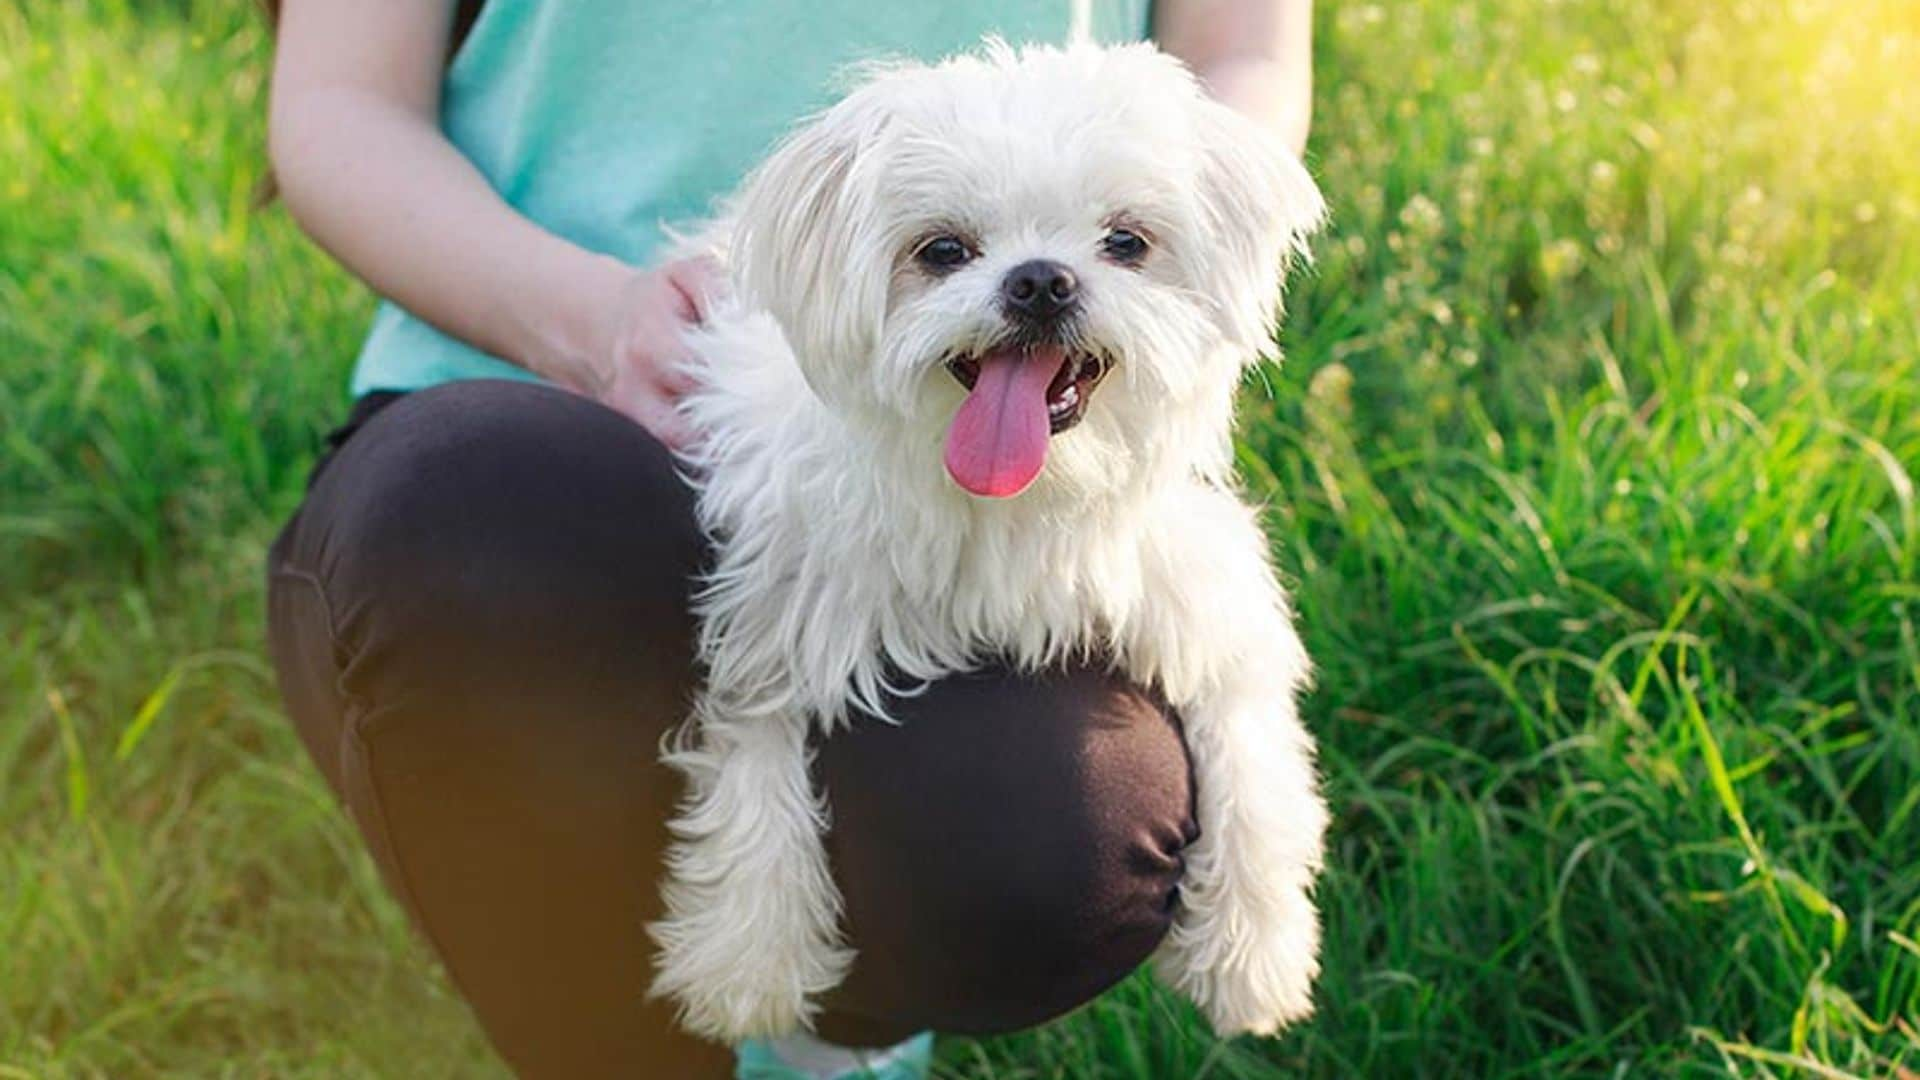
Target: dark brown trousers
pixel 479 619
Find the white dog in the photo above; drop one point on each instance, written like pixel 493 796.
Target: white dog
pixel 972 398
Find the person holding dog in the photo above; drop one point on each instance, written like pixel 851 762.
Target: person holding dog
pixel 479 615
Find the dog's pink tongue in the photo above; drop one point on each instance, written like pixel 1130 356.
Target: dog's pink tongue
pixel 998 440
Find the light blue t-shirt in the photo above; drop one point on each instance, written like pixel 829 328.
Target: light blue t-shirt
pixel 604 120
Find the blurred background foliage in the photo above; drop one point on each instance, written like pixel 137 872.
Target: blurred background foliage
pixel 1591 464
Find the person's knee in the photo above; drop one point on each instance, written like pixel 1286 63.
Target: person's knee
pixel 1020 859
pixel 477 522
pixel 1054 924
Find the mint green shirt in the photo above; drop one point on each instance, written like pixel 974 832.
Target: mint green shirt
pixel 607 120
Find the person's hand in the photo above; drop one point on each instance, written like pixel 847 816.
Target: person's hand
pixel 643 373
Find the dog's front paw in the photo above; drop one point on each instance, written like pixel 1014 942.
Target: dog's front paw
pixel 1249 967
pixel 749 936
pixel 739 967
pixel 751 931
pixel 730 981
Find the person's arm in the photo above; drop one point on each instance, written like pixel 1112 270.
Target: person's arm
pixel 364 168
pixel 1255 55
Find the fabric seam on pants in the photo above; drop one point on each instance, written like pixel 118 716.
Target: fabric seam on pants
pixel 353 710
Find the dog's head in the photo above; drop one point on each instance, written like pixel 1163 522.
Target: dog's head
pixel 1056 261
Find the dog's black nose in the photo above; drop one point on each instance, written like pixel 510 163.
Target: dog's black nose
pixel 1039 289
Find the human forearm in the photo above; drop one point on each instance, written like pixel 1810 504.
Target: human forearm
pixel 364 168
pixel 399 206
pixel 1256 55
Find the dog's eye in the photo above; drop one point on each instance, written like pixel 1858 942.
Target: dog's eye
pixel 1124 246
pixel 943 253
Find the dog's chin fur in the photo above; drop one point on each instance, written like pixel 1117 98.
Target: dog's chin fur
pixel 846 556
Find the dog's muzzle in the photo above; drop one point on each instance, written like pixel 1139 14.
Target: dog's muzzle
pixel 1072 386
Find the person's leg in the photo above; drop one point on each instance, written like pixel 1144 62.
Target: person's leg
pixel 1007 852
pixel 479 619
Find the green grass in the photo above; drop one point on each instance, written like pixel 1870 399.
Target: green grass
pixel 1592 465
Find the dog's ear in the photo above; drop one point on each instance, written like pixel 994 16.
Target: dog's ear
pixel 808 241
pixel 1258 206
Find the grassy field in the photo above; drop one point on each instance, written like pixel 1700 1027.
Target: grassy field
pixel 1592 463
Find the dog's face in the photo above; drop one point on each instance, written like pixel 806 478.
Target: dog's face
pixel 1055 261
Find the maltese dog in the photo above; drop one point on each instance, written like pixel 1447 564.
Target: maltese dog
pixel 971 398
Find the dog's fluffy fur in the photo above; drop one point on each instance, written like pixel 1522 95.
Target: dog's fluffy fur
pixel 850 566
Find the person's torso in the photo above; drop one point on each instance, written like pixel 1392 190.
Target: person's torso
pixel 607 121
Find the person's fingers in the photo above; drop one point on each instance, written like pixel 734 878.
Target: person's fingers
pixel 677 378
pixel 704 273
pixel 664 422
pixel 672 430
pixel 700 281
pixel 682 300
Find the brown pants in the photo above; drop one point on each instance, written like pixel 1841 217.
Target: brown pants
pixel 479 619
